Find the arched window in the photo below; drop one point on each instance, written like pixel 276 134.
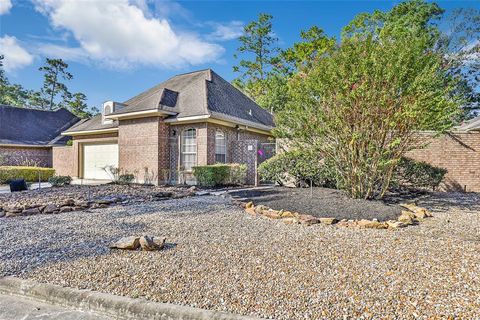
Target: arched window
pixel 188 149
pixel 220 147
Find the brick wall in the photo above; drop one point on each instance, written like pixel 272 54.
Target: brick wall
pixel 236 152
pixel 143 144
pixel 459 153
pixel 62 161
pixel 16 156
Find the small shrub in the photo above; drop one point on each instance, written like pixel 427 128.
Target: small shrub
pixel 238 174
pixel 60 181
pixel 211 175
pixel 125 178
pixel 418 174
pixel 220 174
pixel 31 174
pixel 69 143
pixel 304 166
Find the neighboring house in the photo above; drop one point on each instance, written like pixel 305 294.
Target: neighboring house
pixel 192 119
pixel 458 151
pixel 28 135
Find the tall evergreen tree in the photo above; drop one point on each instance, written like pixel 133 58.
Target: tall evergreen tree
pixel 55 71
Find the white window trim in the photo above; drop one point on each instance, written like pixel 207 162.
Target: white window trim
pixel 225 142
pixel 181 153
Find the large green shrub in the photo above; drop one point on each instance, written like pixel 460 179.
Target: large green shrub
pixel 60 181
pixel 237 174
pixel 31 174
pixel 220 174
pixel 303 166
pixel 418 174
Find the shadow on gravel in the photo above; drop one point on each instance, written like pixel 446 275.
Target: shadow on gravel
pixel 27 243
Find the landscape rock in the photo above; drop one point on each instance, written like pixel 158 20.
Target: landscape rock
pixel 251 210
pixel 370 224
pixel 127 243
pixel 67 203
pixel 406 218
pixel 13 209
pixel 30 212
pixel 307 219
pixel 148 243
pixel 418 211
pixel 50 208
pixel 328 220
pixel 261 208
pixel 66 209
pixel 273 214
pixel 393 224
pixel 288 214
pixel 249 205
pixel 290 220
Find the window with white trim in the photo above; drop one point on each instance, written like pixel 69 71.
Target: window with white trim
pixel 220 147
pixel 188 149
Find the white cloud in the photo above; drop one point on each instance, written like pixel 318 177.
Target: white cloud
pixel 229 31
pixel 119 34
pixel 5 6
pixel 15 56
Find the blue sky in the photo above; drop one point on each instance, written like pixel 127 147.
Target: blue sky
pixel 119 48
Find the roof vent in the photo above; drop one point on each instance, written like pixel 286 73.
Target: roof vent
pixel 250 112
pixel 109 107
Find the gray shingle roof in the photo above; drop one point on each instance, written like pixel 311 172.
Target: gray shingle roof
pixel 24 126
pixel 469 125
pixel 199 93
pixel 94 123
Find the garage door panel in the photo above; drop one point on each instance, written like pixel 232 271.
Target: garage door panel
pixel 96 157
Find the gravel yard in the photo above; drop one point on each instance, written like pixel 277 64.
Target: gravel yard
pixel 219 257
pixel 321 202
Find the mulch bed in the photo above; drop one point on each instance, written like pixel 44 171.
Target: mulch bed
pixel 322 202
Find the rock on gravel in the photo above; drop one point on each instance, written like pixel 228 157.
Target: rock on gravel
pixel 218 257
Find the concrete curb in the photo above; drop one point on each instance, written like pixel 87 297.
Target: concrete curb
pixel 117 307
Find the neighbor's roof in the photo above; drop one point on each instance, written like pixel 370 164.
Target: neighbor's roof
pixel 199 93
pixel 469 125
pixel 23 126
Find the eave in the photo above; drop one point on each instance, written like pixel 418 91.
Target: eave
pixel 88 132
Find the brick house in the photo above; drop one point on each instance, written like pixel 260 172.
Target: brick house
pixel 458 151
pixel 192 119
pixel 27 136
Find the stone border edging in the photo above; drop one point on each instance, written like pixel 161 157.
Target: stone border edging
pixel 118 307
pixel 411 216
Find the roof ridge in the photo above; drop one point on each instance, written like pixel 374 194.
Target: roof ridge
pixel 30 108
pixel 186 73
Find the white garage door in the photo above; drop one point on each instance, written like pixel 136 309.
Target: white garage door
pixel 96 157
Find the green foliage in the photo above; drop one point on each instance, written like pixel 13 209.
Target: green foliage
pixel 47 98
pixel 304 166
pixel 211 175
pixel 418 174
pixel 258 45
pixel 54 71
pixel 78 106
pixel 30 174
pixel 125 178
pixel 360 104
pixel 220 174
pixel 60 181
pixel 69 143
pixel 303 54
pixel 237 174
